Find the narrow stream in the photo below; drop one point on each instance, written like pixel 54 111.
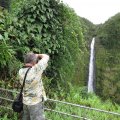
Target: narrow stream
pixel 91 68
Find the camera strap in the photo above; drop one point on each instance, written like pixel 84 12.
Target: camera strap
pixel 24 80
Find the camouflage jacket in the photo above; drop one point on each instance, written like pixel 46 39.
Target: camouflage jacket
pixel 33 91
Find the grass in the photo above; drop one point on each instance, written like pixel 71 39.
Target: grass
pixel 80 96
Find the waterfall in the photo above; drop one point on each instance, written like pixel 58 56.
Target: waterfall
pixel 91 68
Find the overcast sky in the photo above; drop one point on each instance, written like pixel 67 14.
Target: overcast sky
pixel 97 11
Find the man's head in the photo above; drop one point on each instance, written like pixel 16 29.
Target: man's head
pixel 30 58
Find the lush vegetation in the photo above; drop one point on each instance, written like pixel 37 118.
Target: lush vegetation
pixel 108 59
pixel 80 96
pixel 45 27
pixel 48 26
pixel 89 29
pixel 5 4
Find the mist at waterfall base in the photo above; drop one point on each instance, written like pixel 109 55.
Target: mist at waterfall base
pixel 91 75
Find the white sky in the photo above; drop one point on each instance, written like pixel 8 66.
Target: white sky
pixel 97 11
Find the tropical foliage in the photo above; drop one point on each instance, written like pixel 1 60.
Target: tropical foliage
pixel 49 26
pixel 89 29
pixel 108 59
pixel 46 27
pixel 5 3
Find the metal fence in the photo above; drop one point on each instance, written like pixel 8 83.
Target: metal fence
pixel 55 110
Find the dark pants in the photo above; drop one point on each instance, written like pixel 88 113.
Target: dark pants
pixel 33 112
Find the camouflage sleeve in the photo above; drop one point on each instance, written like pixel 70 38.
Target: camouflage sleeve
pixel 42 64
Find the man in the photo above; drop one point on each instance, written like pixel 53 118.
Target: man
pixel 33 92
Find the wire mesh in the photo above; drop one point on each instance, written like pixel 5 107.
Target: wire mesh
pixel 55 110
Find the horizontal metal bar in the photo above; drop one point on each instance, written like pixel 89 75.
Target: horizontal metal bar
pixel 76 105
pixel 9 90
pixel 74 116
pixel 63 113
pixel 6 99
pixel 81 106
pixel 6 107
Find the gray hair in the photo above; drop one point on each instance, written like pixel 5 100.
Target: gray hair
pixel 30 57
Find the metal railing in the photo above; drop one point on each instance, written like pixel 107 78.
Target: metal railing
pixel 58 110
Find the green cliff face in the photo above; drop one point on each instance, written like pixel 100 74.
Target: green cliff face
pixel 108 59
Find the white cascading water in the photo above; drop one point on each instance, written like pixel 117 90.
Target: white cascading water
pixel 91 68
